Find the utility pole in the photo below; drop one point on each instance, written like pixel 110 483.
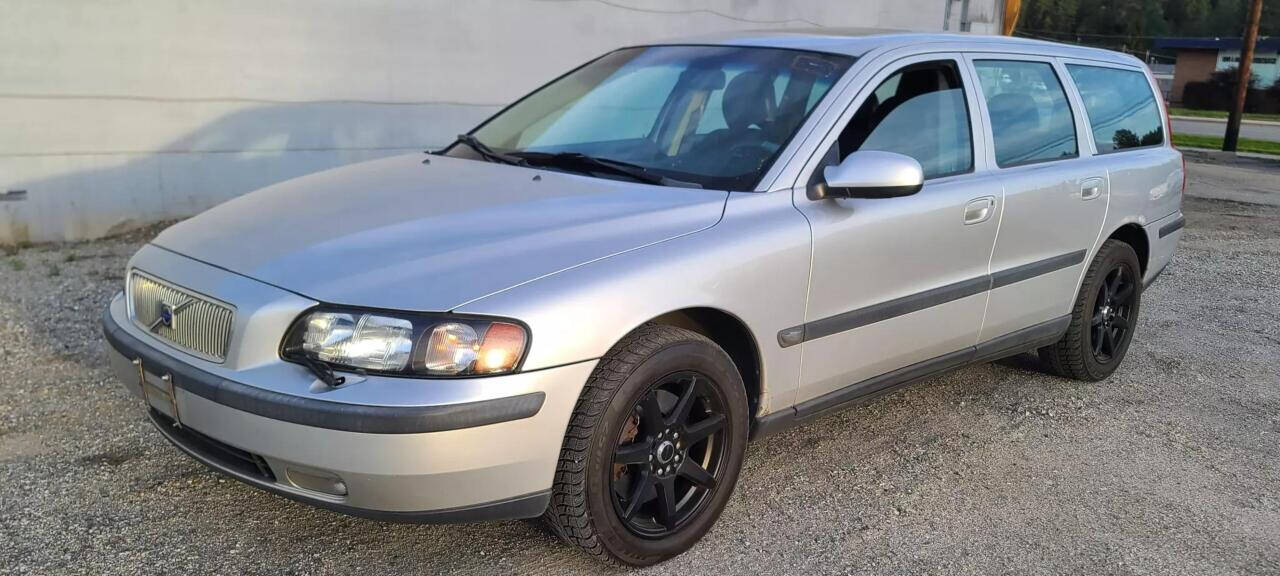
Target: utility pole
pixel 1012 9
pixel 1246 72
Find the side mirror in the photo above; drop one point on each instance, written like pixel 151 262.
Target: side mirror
pixel 870 174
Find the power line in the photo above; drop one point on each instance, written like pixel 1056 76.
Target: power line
pixel 704 11
pixel 1125 36
pixel 1142 53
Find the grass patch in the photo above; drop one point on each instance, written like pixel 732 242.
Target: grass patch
pixel 1221 114
pixel 1215 143
pixel 17 264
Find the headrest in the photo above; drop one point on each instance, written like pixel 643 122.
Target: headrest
pixel 748 100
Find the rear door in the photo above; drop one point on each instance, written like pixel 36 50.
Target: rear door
pixel 1055 192
pixel 1129 132
pixel 1120 103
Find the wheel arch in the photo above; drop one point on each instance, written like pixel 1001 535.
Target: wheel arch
pixel 730 333
pixel 1135 236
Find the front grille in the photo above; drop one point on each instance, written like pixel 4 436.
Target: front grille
pixel 225 455
pixel 190 321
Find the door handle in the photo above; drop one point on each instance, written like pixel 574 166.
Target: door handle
pixel 1091 188
pixel 979 210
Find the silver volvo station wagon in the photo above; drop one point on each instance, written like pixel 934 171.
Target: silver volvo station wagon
pixel 584 308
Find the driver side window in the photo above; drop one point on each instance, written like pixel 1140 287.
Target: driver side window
pixel 919 111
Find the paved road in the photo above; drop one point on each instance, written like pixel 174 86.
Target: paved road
pixel 1209 127
pixel 1168 467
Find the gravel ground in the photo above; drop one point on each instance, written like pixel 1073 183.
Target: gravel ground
pixel 1172 466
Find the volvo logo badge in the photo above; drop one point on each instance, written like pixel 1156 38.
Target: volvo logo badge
pixel 167 314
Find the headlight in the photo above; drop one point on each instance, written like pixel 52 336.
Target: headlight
pixel 406 344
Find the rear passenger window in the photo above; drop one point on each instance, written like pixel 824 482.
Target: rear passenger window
pixel 919 111
pixel 1121 106
pixel 1030 118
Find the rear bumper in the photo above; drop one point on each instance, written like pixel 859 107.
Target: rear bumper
pixel 1162 237
pixel 475 461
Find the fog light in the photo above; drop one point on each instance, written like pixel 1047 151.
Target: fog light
pixel 317 481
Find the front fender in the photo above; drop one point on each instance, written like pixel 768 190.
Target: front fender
pixel 753 265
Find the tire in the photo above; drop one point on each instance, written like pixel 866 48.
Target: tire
pixel 1103 319
pixel 607 494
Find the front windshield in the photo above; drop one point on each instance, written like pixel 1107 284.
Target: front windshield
pixel 712 116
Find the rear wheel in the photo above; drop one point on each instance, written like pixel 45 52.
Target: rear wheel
pixel 653 449
pixel 1103 319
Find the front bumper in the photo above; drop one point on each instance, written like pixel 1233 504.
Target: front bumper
pixel 483 460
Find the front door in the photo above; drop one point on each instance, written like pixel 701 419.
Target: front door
pixel 900 282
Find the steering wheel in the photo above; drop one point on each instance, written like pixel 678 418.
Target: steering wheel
pixel 752 151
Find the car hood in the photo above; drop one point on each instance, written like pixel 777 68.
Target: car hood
pixel 398 233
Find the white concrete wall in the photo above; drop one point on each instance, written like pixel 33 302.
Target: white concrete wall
pixel 114 113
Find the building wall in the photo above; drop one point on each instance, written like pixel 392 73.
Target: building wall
pixel 1265 66
pixel 1192 66
pixel 115 113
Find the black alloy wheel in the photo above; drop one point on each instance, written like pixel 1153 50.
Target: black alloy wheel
pixel 653 449
pixel 669 455
pixel 1113 306
pixel 1103 319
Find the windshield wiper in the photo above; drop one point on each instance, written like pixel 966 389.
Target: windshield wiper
pixel 489 153
pixel 570 160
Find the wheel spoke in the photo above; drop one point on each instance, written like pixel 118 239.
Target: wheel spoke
pixel 1096 336
pixel 681 412
pixel 700 430
pixel 666 508
pixel 1098 318
pixel 641 492
pixel 1108 342
pixel 654 486
pixel 651 420
pixel 633 453
pixel 694 472
pixel 1119 323
pixel 1124 293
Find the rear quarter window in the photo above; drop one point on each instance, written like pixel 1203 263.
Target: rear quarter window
pixel 1121 107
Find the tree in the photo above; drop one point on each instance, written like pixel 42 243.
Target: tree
pixel 1188 17
pixel 1227 18
pixel 1228 78
pixel 1134 24
pixel 1153 137
pixel 1038 15
pixel 1125 139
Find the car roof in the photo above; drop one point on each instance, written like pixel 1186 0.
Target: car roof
pixel 860 41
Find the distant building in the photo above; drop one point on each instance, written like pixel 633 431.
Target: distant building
pixel 1198 58
pixel 1163 74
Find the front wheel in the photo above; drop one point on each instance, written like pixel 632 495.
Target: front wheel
pixel 1103 319
pixel 653 448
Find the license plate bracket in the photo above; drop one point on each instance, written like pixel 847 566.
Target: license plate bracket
pixel 158 392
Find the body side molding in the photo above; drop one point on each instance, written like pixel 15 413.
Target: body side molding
pixel 1028 271
pixel 921 300
pixel 892 308
pixel 1174 226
